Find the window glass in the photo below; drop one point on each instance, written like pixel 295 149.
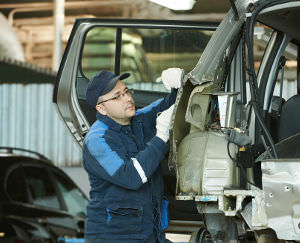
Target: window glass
pixel 288 74
pixel 16 186
pixel 262 35
pixel 98 51
pixel 74 199
pixel 144 53
pixel 147 52
pixel 40 187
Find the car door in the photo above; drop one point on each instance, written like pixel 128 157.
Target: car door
pixel 48 204
pixel 142 47
pixel 72 198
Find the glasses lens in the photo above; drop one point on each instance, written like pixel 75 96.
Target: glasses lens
pixel 118 97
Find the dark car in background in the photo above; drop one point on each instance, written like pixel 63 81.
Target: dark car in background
pixel 38 201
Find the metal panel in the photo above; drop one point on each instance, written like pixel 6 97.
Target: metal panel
pixel 280 179
pixel 29 119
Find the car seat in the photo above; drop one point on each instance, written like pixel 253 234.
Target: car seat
pixel 289 123
pixel 274 116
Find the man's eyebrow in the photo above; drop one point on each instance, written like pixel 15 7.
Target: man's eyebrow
pixel 119 91
pixel 116 92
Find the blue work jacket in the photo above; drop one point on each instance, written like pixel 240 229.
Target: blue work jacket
pixel 122 163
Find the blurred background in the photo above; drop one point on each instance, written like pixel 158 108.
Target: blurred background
pixel 34 35
pixel 43 27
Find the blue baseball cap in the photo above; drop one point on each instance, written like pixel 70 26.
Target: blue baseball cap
pixel 101 84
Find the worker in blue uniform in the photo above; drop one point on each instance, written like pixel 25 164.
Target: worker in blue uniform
pixel 121 153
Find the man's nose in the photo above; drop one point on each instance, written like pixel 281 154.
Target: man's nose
pixel 127 97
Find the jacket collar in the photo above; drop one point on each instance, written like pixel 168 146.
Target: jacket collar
pixel 109 122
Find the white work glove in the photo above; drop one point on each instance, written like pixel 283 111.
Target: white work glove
pixel 163 122
pixel 172 78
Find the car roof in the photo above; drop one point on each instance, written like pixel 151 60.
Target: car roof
pixel 16 155
pixel 284 17
pixel 13 160
pixel 12 151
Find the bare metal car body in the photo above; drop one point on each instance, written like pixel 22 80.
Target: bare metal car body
pixel 235 154
pixel 199 143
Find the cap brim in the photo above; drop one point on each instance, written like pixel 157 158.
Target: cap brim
pixel 112 83
pixel 123 76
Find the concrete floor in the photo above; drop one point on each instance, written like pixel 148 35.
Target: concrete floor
pixel 178 238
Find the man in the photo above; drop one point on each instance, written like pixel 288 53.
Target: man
pixel 121 155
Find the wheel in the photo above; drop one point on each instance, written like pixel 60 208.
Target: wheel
pixel 201 236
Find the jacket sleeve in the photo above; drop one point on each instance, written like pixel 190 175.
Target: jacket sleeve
pixel 117 168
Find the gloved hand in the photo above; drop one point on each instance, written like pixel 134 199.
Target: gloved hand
pixel 163 122
pixel 172 77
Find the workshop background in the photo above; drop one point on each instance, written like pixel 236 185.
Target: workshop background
pixel 33 37
pixel 36 33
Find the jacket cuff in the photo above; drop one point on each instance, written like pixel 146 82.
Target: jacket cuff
pixel 163 146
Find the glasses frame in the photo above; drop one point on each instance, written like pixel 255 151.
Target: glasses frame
pixel 128 92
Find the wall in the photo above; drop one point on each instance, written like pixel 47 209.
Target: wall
pixel 29 119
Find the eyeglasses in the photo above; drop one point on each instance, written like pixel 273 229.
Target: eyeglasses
pixel 118 97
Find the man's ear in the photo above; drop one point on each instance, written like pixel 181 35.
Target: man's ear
pixel 101 109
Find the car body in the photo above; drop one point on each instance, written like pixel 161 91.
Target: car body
pixel 38 202
pixel 233 143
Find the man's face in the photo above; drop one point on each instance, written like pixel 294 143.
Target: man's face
pixel 121 108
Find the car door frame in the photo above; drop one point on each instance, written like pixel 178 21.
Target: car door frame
pixel 69 72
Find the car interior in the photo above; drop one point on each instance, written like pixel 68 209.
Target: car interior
pixel 286 124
